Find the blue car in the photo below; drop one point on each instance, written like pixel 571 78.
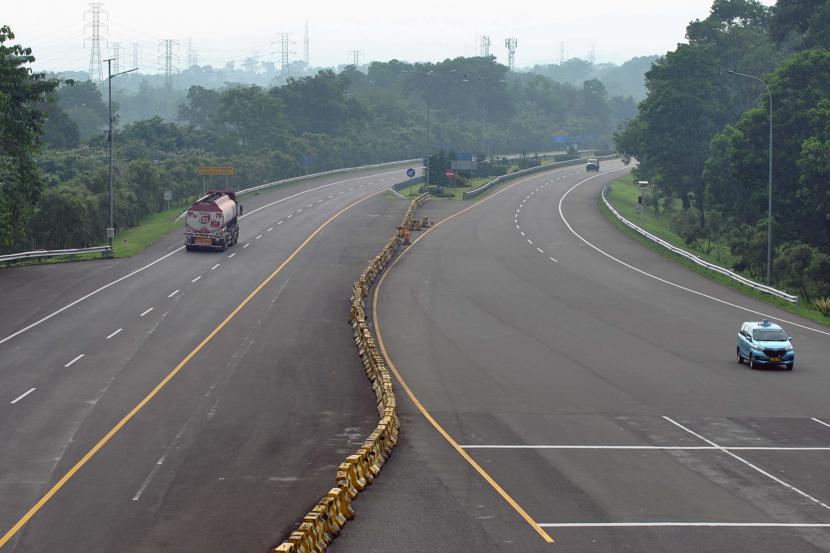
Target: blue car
pixel 765 343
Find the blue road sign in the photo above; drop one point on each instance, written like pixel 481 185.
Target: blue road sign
pixel 410 172
pixel 306 159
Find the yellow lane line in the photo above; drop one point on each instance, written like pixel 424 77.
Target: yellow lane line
pixel 489 479
pixel 109 435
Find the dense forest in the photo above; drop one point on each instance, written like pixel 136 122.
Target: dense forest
pixel 56 192
pixel 701 136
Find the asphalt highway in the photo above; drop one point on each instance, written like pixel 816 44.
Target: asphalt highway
pixel 592 386
pixel 189 401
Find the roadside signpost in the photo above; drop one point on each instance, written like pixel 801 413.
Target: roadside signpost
pixel 214 171
pixel 410 172
pixel 168 195
pixel 450 174
pixel 641 202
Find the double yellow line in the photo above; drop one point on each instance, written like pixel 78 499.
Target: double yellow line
pixel 135 410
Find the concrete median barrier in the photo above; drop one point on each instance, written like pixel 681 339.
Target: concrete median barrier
pixel 326 519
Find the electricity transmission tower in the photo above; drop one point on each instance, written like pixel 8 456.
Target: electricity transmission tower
pixel 192 54
pixel 592 54
pixel 305 43
pixel 96 66
pixel 116 57
pixel 355 57
pixel 285 50
pixel 484 48
pixel 166 57
pixel 510 44
pixel 135 54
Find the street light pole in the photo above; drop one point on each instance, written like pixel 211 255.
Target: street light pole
pixel 111 228
pixel 769 183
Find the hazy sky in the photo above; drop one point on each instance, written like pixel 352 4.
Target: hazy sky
pixel 426 30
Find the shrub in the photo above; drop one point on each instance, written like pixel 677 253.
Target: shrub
pixel 823 305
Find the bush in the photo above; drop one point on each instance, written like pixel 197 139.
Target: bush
pixel 823 305
pixel 565 157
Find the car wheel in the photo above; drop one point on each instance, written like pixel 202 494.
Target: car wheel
pixel 751 362
pixel 740 359
pixel 789 366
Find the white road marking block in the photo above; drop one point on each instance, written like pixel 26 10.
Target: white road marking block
pixel 114 333
pixel 21 396
pixel 258 237
pixel 74 360
pixel 173 293
pixel 196 279
pixel 214 267
pixel 231 255
pixel 147 311
pixel 246 245
pixel 269 229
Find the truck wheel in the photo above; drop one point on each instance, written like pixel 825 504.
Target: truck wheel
pixel 188 247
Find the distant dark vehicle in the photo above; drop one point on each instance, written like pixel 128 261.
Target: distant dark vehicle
pixel 211 222
pixel 592 165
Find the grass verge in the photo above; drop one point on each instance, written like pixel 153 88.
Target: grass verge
pixel 135 239
pixel 806 310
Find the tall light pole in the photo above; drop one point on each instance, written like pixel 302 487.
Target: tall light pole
pixel 769 185
pixel 110 75
pixel 428 81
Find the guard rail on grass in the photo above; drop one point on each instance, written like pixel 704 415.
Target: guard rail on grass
pixel 325 520
pixel 698 261
pixel 54 253
pixel 529 171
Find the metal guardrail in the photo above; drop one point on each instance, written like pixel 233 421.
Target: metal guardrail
pixel 323 174
pixel 696 260
pixel 54 253
pixel 529 171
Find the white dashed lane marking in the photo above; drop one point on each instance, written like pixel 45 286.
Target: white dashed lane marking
pixel 258 237
pixel 196 279
pixel 516 219
pixel 114 333
pixel 214 267
pixel 21 396
pixel 147 311
pixel 231 255
pixel 246 245
pixel 269 230
pixel 74 361
pixel 173 293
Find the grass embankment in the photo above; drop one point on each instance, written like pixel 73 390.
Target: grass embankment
pixel 133 240
pixel 623 193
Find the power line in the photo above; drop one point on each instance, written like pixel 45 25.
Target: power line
pixel 96 66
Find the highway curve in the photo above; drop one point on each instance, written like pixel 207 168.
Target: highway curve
pixel 594 384
pixel 154 415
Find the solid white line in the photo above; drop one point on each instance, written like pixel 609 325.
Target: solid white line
pixel 82 298
pixel 555 261
pixel 821 422
pixel 21 396
pixel 173 293
pixel 750 465
pixel 683 524
pixel 214 267
pixel 539 249
pixel 269 229
pixel 73 361
pixel 180 248
pixel 195 279
pixel 114 333
pixel 650 447
pixel 664 281
pixel 231 255
pixel 246 245
pixel 258 237
pixel 147 311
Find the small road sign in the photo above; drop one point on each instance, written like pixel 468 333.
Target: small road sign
pixel 450 173
pixel 214 170
pixel 410 172
pixel 168 195
pixel 638 208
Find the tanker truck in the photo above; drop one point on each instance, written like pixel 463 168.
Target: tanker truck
pixel 211 222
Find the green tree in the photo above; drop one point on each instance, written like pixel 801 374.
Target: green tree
pixel 22 91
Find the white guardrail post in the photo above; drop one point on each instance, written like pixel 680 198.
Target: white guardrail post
pixel 696 260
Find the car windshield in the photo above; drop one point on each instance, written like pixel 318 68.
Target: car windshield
pixel 772 335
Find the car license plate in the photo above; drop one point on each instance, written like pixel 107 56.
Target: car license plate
pixel 775 359
pixel 203 242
